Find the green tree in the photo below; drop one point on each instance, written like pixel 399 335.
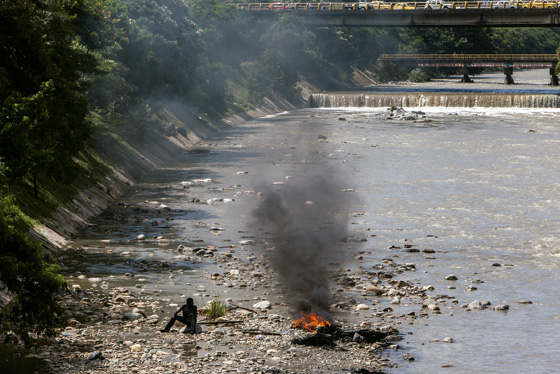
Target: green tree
pixel 26 275
pixel 42 99
pixel 163 49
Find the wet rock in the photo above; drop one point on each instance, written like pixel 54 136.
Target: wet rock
pixel 502 307
pixel 134 315
pixel 374 289
pixel 362 307
pixel 432 306
pixel 347 281
pixel 524 302
pixel 477 304
pixel 451 277
pixel 402 284
pixel 95 356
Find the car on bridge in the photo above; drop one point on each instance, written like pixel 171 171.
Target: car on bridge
pixel 438 4
pixel 507 5
pixel 362 5
pixel 543 4
pixel 277 6
pixel 403 6
pixel 380 5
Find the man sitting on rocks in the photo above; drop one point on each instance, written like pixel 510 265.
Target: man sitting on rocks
pixel 188 318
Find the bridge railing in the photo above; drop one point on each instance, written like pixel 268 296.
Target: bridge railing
pixel 543 57
pixel 380 5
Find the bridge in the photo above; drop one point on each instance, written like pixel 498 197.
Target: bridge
pixel 466 13
pixel 466 61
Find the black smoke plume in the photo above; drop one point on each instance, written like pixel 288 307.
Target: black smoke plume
pixel 306 219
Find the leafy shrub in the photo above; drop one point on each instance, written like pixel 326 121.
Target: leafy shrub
pixel 217 308
pixel 26 275
pixel 418 76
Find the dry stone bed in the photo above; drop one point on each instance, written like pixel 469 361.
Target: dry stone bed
pixel 116 329
pixel 117 340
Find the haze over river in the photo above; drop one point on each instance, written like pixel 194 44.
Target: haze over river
pixel 479 186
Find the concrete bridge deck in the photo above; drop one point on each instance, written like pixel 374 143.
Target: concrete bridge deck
pixel 469 14
pixel 466 61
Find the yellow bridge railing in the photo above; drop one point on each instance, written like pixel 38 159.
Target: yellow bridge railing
pixel 543 57
pixel 381 5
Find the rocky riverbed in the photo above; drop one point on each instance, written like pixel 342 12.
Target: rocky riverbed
pixel 120 326
pixel 402 269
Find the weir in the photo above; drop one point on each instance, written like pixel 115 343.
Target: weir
pixel 469 100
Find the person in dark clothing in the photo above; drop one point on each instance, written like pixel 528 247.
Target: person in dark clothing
pixel 188 317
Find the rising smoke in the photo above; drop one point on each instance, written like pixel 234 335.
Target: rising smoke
pixel 307 220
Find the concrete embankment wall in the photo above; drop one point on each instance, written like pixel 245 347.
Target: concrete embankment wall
pixel 55 231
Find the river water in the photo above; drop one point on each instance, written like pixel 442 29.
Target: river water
pixel 479 186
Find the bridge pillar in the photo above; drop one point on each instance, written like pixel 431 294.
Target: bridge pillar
pixel 553 77
pixel 508 71
pixel 465 71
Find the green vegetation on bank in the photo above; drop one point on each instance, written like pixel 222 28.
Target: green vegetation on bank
pixel 84 83
pixel 25 272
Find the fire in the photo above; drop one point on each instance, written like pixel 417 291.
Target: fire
pixel 311 321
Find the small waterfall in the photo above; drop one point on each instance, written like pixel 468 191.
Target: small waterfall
pixel 489 100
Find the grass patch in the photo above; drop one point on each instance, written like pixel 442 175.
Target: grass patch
pixel 217 308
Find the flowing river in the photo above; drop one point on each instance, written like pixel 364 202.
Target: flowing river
pixel 478 186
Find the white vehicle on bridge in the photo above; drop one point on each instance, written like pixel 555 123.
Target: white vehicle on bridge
pixel 438 4
pixel 362 5
pixel 503 5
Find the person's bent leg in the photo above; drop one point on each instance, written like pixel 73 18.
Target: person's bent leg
pixel 169 325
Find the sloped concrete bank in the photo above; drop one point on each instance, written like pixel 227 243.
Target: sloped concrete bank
pixel 55 231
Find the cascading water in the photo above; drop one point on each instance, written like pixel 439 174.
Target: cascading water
pixel 468 100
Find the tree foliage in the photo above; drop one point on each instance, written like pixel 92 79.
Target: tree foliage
pixel 25 274
pixel 41 64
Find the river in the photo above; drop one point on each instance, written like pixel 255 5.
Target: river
pixel 478 186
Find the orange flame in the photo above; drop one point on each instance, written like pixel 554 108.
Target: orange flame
pixel 311 321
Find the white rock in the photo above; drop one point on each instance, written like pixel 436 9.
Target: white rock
pixel 265 304
pixel 362 307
